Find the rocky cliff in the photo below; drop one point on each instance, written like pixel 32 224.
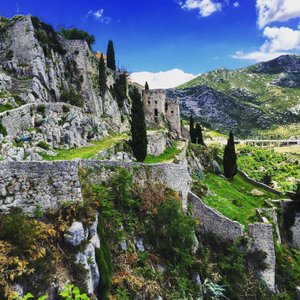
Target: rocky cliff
pixel 38 68
pixel 249 100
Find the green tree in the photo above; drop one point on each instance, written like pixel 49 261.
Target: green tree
pixel 138 126
pixel 120 89
pixel 102 76
pixel 77 34
pixel 147 86
pixel 198 134
pixel 192 130
pixel 229 160
pixel 111 60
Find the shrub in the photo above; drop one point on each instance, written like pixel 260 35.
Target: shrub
pixel 43 145
pixel 66 108
pixel 174 231
pixel 41 108
pixel 70 96
pixel 77 34
pixel 3 129
pixel 16 228
pixel 10 54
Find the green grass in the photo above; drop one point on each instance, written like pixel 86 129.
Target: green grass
pixel 284 168
pixel 88 151
pixel 5 107
pixel 167 156
pixel 234 199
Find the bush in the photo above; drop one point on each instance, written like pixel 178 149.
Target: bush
pixel 174 231
pixel 77 34
pixel 70 96
pixel 43 145
pixel 41 108
pixel 10 54
pixel 3 130
pixel 16 228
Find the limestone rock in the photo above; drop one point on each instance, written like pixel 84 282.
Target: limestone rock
pixel 88 260
pixel 75 235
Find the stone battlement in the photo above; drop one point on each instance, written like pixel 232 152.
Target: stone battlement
pixel 49 184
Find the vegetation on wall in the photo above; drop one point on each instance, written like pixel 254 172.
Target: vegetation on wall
pixel 72 97
pixel 47 37
pixel 77 34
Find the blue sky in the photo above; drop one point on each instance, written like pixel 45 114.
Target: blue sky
pixel 190 35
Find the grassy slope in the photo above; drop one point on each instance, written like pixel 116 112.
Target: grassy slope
pixel 167 156
pixel 88 151
pixel 284 168
pixel 234 199
pixel 268 97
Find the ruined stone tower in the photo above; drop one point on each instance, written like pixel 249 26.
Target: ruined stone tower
pixel 159 108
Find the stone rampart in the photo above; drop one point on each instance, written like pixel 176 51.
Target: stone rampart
pixel 27 185
pixel 213 221
pixel 49 184
pixel 262 235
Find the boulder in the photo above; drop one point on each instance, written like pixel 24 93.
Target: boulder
pixel 75 234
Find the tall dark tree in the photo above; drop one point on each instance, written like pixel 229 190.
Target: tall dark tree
pixel 110 57
pixel 102 76
pixel 198 134
pixel 229 160
pixel 147 86
pixel 138 126
pixel 192 130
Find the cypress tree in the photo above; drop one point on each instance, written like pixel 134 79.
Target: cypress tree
pixel 229 160
pixel 147 86
pixel 192 130
pixel 138 126
pixel 198 134
pixel 102 76
pixel 111 61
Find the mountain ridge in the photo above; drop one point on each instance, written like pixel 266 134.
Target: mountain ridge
pixel 267 94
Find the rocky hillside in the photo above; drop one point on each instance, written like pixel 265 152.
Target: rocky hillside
pixel 49 91
pixel 258 98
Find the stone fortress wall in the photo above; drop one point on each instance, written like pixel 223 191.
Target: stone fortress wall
pixel 261 234
pixel 48 184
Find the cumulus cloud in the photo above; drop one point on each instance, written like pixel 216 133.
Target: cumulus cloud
pixel 162 80
pixel 279 41
pixel 205 7
pixel 98 15
pixel 276 10
pixel 281 38
pixel 236 4
pixel 257 56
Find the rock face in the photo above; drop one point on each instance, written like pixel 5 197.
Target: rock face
pixel 247 99
pixel 75 234
pixel 39 68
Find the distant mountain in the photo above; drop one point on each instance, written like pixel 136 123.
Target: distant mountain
pixel 260 98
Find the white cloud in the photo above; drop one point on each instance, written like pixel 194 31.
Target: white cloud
pixel 162 80
pixel 98 15
pixel 236 4
pixel 276 10
pixel 257 56
pixel 205 7
pixel 281 39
